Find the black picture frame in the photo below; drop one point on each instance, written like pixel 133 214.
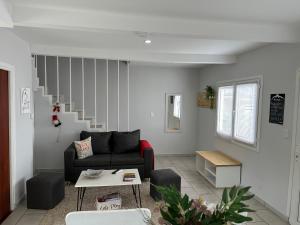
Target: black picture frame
pixel 277 104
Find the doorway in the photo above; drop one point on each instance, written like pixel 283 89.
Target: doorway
pixel 5 204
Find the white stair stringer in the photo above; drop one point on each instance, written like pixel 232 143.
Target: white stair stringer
pixel 40 93
pixel 50 142
pixel 66 117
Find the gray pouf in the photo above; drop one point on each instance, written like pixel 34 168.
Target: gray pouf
pixel 163 177
pixel 45 190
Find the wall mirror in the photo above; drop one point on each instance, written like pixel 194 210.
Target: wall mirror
pixel 173 112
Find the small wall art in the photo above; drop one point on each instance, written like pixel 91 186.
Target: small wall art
pixel 277 102
pixel 25 101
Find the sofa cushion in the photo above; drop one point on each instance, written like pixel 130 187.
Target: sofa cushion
pixel 93 161
pixel 84 148
pixel 124 142
pixel 132 158
pixel 100 141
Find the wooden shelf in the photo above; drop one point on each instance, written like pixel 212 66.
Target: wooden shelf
pixel 218 158
pixel 219 169
pixel 209 171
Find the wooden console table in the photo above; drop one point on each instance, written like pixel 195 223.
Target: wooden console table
pixel 218 168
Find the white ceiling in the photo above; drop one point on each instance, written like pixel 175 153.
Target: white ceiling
pixel 182 31
pixel 132 41
pixel 273 11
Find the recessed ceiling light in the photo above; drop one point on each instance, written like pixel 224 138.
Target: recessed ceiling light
pixel 147 41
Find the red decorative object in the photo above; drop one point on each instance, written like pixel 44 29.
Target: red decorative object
pixel 56 107
pixel 55 120
pixel 144 146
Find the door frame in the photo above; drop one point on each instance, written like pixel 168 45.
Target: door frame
pixel 12 130
pixel 293 150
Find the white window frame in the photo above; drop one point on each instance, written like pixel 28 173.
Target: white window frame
pixel 234 83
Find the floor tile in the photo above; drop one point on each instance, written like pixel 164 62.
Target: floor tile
pixel 256 205
pixel 210 198
pixel 35 211
pixel 185 183
pixel 192 183
pixel 200 188
pixel 30 219
pixel 255 217
pixel 270 217
pixel 190 192
pixel 16 215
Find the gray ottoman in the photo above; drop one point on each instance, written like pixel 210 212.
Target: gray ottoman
pixel 45 190
pixel 163 177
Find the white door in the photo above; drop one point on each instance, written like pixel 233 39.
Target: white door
pixel 295 202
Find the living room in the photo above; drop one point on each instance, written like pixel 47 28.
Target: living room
pixel 145 75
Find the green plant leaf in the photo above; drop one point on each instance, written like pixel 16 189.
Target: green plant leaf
pixel 185 202
pixel 225 196
pixel 233 192
pixel 243 191
pixel 247 197
pixel 245 210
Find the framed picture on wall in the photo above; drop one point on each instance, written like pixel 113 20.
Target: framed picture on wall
pixel 25 101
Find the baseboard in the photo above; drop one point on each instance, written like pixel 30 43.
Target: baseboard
pixel 45 170
pixel 272 209
pixel 172 155
pixel 18 201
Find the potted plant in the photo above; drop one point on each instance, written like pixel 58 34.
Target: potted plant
pixel 210 95
pixel 180 210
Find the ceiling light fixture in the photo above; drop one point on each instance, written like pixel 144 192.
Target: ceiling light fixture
pixel 148 41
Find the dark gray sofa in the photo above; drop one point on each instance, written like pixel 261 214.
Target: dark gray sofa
pixel 112 150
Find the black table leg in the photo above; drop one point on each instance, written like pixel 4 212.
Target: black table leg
pixel 140 196
pixel 136 191
pixel 134 194
pixel 80 196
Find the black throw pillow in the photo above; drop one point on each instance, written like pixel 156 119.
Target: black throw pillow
pixel 124 142
pixel 100 141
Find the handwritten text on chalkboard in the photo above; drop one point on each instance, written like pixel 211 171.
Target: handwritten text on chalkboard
pixel 277 108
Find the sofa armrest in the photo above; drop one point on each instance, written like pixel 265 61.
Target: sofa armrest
pixel 69 157
pixel 147 153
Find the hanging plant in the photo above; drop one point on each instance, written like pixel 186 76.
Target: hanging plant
pixel 210 95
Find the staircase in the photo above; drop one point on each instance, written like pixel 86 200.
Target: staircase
pixel 66 109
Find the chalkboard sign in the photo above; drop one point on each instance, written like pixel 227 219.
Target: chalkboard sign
pixel 277 108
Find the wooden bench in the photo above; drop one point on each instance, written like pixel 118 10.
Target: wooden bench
pixel 218 168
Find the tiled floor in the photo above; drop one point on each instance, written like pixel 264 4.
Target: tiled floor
pixel 192 184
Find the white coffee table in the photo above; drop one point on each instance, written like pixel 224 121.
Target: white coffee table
pixel 112 217
pixel 107 179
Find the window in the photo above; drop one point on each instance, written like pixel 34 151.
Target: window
pixel 238 112
pixel 225 107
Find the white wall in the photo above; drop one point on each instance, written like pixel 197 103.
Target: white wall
pixel 50 142
pixel 148 86
pixel 5 14
pixel 267 171
pixel 15 52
